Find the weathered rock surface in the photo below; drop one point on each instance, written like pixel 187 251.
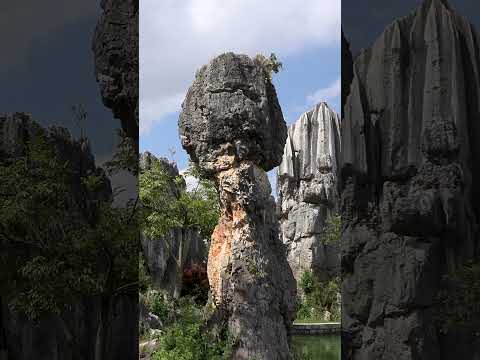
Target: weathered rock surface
pixel 115 46
pixel 159 260
pixel 49 338
pixel 232 126
pixel 308 192
pixel 410 148
pixel 231 114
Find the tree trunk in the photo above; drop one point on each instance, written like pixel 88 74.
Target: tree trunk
pixel 74 350
pixel 103 330
pixel 3 336
pixel 179 276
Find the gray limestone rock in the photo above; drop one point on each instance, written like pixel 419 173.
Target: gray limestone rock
pixel 231 114
pixel 115 46
pixel 232 126
pixel 409 164
pixel 308 192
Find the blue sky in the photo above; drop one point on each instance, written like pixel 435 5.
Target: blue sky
pixel 305 36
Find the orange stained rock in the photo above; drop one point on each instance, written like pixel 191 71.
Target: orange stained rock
pixel 221 248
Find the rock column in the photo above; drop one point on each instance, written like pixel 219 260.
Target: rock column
pixel 307 191
pixel 233 128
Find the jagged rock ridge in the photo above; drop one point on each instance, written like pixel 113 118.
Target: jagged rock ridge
pixel 232 126
pixel 410 161
pixel 307 191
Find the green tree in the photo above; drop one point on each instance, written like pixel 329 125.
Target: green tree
pixel 64 239
pixel 168 205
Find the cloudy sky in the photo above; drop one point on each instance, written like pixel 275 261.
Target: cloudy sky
pixel 49 66
pixel 176 38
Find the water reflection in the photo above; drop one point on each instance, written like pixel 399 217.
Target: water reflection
pixel 313 347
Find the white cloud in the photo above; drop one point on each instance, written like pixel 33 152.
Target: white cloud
pixel 329 93
pixel 157 108
pixel 176 38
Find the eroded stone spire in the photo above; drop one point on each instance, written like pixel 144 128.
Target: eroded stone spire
pixel 232 126
pixel 307 191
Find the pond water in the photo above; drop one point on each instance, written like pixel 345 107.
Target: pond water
pixel 317 347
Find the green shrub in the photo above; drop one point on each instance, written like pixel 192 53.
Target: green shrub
pixel 318 297
pixel 187 339
pixel 307 283
pixel 270 64
pixel 332 230
pixel 157 304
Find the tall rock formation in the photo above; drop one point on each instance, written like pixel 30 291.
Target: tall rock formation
pixel 232 126
pixel 410 148
pixel 115 46
pixel 160 261
pixel 308 193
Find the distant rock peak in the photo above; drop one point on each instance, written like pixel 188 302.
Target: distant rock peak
pixel 307 190
pixel 312 145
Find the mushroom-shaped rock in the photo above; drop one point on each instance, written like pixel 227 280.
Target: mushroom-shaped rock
pixel 231 114
pixel 232 126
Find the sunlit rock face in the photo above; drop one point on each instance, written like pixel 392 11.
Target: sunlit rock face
pixel 308 191
pixel 410 150
pixel 232 126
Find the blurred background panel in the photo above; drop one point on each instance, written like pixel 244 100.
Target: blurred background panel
pixel 68 150
pixel 410 244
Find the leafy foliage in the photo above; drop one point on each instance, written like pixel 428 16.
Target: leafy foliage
pixel 167 204
pixel 195 283
pixel 184 335
pixel 270 64
pixel 58 233
pixel 459 306
pixel 318 298
pixel 332 231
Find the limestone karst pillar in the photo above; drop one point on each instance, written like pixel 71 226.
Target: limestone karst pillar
pixel 232 127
